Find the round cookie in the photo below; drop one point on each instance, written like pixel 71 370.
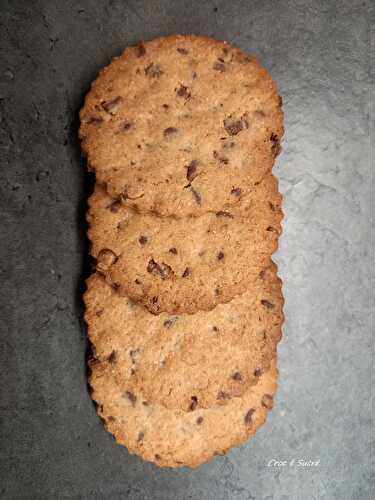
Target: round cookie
pixel 184 265
pixel 176 438
pixel 181 125
pixel 186 362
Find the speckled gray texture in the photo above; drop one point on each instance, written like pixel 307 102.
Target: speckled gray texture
pixel 53 446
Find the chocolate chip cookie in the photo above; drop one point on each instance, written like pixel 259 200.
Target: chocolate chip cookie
pixel 182 125
pixel 178 389
pixel 184 308
pixel 187 361
pixel 182 265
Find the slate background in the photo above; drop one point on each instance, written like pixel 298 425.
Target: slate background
pixel 52 445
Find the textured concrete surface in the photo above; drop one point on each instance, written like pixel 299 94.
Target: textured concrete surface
pixel 52 444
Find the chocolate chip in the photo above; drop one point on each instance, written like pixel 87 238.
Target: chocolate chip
pixel 222 213
pixel 186 272
pixel 126 126
pixel 142 239
pixel 267 401
pixel 137 282
pixel 220 256
pixel 249 415
pixel 217 291
pixel 111 105
pixel 169 322
pixel 215 329
pixel 220 59
pixel 267 304
pixel 173 250
pixel 218 66
pixel 233 127
pixel 262 274
pixel 197 196
pixel 191 172
pixel 105 259
pixel 154 299
pixel 194 403
pixel 141 51
pixel 271 229
pixel 271 205
pixel 236 192
pixel 280 101
pixel 153 70
pixel 115 206
pixel 157 456
pixel 112 357
pixel 182 51
pixel 145 403
pixel 237 376
pixel 183 91
pixel 111 419
pixel 199 420
pixel 276 148
pixel 259 113
pixel 170 132
pixel 223 395
pixel 99 312
pixel 162 270
pixel 140 437
pixel 131 397
pixel 258 372
pixel 93 120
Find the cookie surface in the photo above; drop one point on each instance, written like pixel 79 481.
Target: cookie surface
pixel 189 264
pixel 177 390
pixel 175 438
pixel 181 125
pixel 186 362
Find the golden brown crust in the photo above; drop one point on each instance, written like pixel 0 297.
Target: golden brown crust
pixel 140 359
pixel 187 361
pixel 182 133
pixel 187 264
pixel 177 438
pixel 181 125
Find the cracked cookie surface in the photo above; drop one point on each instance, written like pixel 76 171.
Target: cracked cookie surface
pixel 184 265
pixel 182 125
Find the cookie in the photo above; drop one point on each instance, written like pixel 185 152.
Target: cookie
pixel 186 362
pixel 176 438
pixel 177 391
pixel 182 125
pixel 182 265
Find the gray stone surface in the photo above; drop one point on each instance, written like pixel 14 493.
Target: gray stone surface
pixel 52 444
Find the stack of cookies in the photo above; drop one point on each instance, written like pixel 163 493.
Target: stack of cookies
pixel 184 309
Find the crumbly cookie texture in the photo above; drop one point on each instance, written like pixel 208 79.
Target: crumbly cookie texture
pixel 182 125
pixel 185 420
pixel 189 264
pixel 186 362
pixel 176 438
